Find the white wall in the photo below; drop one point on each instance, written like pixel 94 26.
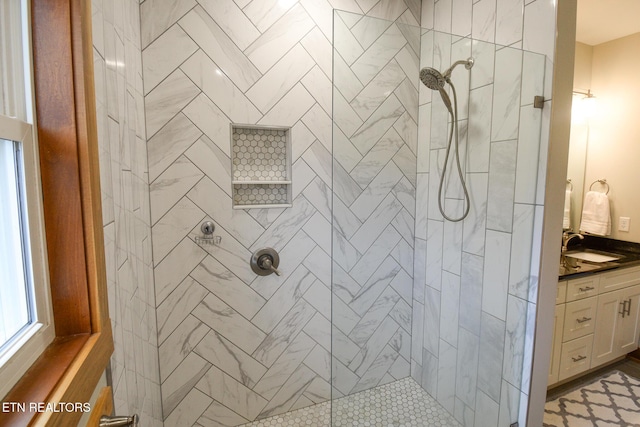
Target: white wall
pixel 614 139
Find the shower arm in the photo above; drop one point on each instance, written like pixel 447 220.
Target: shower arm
pixel 468 63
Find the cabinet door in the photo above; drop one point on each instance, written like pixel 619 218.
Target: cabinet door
pixel 605 347
pixel 628 331
pixel 575 357
pixel 556 345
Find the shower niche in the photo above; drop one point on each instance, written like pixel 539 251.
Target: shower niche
pixel 260 166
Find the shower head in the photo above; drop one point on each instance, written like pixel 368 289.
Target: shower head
pixel 432 78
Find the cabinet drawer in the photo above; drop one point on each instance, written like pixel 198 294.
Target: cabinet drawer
pixel 618 279
pixel 561 295
pixel 579 318
pixel 582 288
pixel 575 357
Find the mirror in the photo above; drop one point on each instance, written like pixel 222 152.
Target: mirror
pixel 604 143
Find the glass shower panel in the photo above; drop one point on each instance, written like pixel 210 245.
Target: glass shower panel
pixel 419 301
pixel 375 114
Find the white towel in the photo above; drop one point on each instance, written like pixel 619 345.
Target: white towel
pixel 596 215
pixel 566 220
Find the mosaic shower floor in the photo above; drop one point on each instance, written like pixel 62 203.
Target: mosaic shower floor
pixel 402 403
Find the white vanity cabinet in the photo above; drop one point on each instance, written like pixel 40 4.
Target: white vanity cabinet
pixel 596 321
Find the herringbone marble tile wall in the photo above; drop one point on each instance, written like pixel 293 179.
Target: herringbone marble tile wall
pixel 235 347
pixel 125 208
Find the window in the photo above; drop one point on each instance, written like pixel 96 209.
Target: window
pixel 26 326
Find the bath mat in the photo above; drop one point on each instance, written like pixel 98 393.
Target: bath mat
pixel 611 400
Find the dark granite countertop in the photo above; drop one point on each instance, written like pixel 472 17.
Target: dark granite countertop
pixel 629 252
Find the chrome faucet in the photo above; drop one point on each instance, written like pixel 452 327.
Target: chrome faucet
pixel 566 238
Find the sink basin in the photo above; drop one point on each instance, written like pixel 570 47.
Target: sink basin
pixel 593 256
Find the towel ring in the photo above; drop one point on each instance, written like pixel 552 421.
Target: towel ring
pixel 570 184
pixel 601 181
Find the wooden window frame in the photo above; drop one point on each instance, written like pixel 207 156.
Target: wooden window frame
pixel 70 368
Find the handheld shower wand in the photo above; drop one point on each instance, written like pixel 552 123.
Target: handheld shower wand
pixel 435 80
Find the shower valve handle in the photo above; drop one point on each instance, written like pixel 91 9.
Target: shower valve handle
pixel 266 263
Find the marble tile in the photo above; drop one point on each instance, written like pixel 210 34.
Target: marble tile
pixel 286 226
pixel 164 55
pixel 345 222
pixel 376 372
pixel 449 309
pixel 509 404
pixel 487 410
pixel 496 274
pixel 471 293
pixel 279 38
pixel 182 380
pixel 452 235
pixel 369 352
pixel 528 154
pixel 156 16
pixel 215 164
pixel 232 21
pixel 344 79
pixel 461 23
pixel 220 89
pixel 265 13
pixel 509 21
pixel 405 192
pixel 169 143
pixel 210 120
pixel 474 233
pixel 367 30
pixel 446 393
pixel 228 323
pixel 521 251
pixel 377 190
pixel 482 73
pixel 539 19
pixel 429 378
pixel 403 282
pixel 218 205
pixel 442 16
pixel 321 12
pixel 403 223
pixel 490 358
pixel 434 249
pixel 484 21
pixel 345 42
pixel 173 226
pixel 177 306
pixel 276 82
pixel 346 118
pixel 320 87
pixel 179 262
pixel 319 229
pixel 293 288
pixel 290 108
pixel 383 214
pixel 290 392
pixel 303 140
pixel 417 332
pixel 374 256
pixel 179 344
pixel 219 47
pixel 514 340
pixel 319 194
pixel 501 186
pixel 377 90
pixel 319 123
pixel 467 367
pixel 374 316
pixel 344 253
pixel 344 186
pixel 377 124
pixel 301 176
pixel 223 354
pixel 379 279
pixel 189 410
pixel 506 94
pixel 366 66
pixel 299 349
pixel 432 307
pixel 387 9
pixel 219 415
pixel 216 278
pixel 168 99
pixel 230 393
pixel 276 342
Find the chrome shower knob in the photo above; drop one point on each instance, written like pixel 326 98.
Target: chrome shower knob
pixel 265 261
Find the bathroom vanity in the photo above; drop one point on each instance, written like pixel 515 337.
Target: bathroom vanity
pixel 596 317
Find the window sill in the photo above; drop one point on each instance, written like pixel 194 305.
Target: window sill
pixel 53 378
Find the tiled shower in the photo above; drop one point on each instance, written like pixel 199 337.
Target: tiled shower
pixel 375 285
